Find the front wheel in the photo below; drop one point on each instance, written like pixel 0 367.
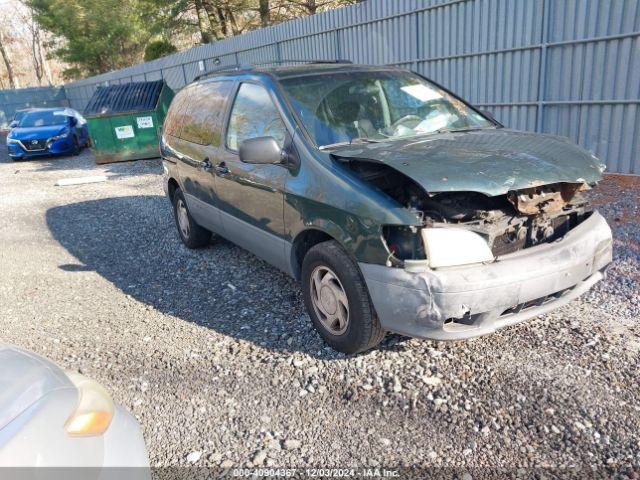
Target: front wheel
pixel 192 234
pixel 337 299
pixel 76 147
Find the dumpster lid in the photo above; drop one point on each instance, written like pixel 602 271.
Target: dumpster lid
pixel 124 98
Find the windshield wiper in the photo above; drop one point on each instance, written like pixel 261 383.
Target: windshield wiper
pixel 353 141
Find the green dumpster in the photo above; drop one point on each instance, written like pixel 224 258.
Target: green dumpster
pixel 125 121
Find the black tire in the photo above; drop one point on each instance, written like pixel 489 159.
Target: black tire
pixel 363 330
pixel 194 236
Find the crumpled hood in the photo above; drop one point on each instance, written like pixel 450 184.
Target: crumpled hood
pixel 24 379
pixel 37 133
pixel 492 162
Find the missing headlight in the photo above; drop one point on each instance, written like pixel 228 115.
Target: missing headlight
pixel 403 242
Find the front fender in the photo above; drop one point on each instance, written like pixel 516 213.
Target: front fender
pixel 359 236
pixel 324 195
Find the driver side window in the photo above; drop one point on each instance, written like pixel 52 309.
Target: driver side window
pixel 254 115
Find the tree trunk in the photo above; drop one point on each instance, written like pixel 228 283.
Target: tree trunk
pixel 232 21
pixel 216 28
pixel 264 13
pixel 311 6
pixel 47 69
pixel 222 19
pixel 40 58
pixel 7 63
pixel 36 51
pixel 205 34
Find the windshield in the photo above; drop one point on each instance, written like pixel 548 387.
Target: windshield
pixel 375 106
pixel 19 114
pixel 43 119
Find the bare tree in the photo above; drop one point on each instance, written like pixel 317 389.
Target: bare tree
pixel 229 15
pixel 311 7
pixel 263 9
pixel 40 64
pixel 222 21
pixel 203 21
pixel 216 18
pixel 13 83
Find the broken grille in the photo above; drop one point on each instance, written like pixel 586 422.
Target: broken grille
pixel 538 302
pixel 535 233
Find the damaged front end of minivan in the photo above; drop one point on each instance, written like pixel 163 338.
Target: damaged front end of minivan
pixel 501 234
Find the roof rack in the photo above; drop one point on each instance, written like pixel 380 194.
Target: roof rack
pixel 294 60
pixel 225 68
pixel 249 67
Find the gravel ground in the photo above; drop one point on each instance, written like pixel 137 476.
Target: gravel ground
pixel 214 354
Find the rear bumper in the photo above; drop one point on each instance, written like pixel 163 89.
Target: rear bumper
pixel 469 301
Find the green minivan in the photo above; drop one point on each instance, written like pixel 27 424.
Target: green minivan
pixel 397 205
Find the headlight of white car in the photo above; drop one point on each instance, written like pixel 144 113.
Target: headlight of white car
pixel 94 411
pixel 448 247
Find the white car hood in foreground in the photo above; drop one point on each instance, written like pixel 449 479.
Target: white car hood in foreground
pixel 36 399
pixel 25 378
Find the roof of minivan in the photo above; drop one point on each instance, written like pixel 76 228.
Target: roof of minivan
pixel 318 68
pixel 282 72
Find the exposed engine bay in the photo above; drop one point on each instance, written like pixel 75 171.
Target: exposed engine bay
pixel 509 223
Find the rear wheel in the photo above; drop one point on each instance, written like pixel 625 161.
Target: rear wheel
pixel 337 299
pixel 192 234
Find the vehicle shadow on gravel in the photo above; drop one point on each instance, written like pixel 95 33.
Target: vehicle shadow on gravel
pixel 132 242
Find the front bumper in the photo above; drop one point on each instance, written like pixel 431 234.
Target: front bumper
pixel 62 146
pixel 468 301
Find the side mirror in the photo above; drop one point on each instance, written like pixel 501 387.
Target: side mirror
pixel 13 124
pixel 261 150
pixel 488 114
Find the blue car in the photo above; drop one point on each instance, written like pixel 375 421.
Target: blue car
pixel 47 132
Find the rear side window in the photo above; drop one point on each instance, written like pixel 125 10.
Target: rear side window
pixel 254 115
pixel 174 118
pixel 203 115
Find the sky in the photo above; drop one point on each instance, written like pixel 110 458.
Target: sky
pixel 9 8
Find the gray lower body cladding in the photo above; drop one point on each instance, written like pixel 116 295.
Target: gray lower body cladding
pixel 473 300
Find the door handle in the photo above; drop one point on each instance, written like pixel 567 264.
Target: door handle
pixel 222 169
pixel 206 165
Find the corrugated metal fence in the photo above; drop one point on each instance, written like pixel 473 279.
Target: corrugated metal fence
pixel 12 100
pixel 570 67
